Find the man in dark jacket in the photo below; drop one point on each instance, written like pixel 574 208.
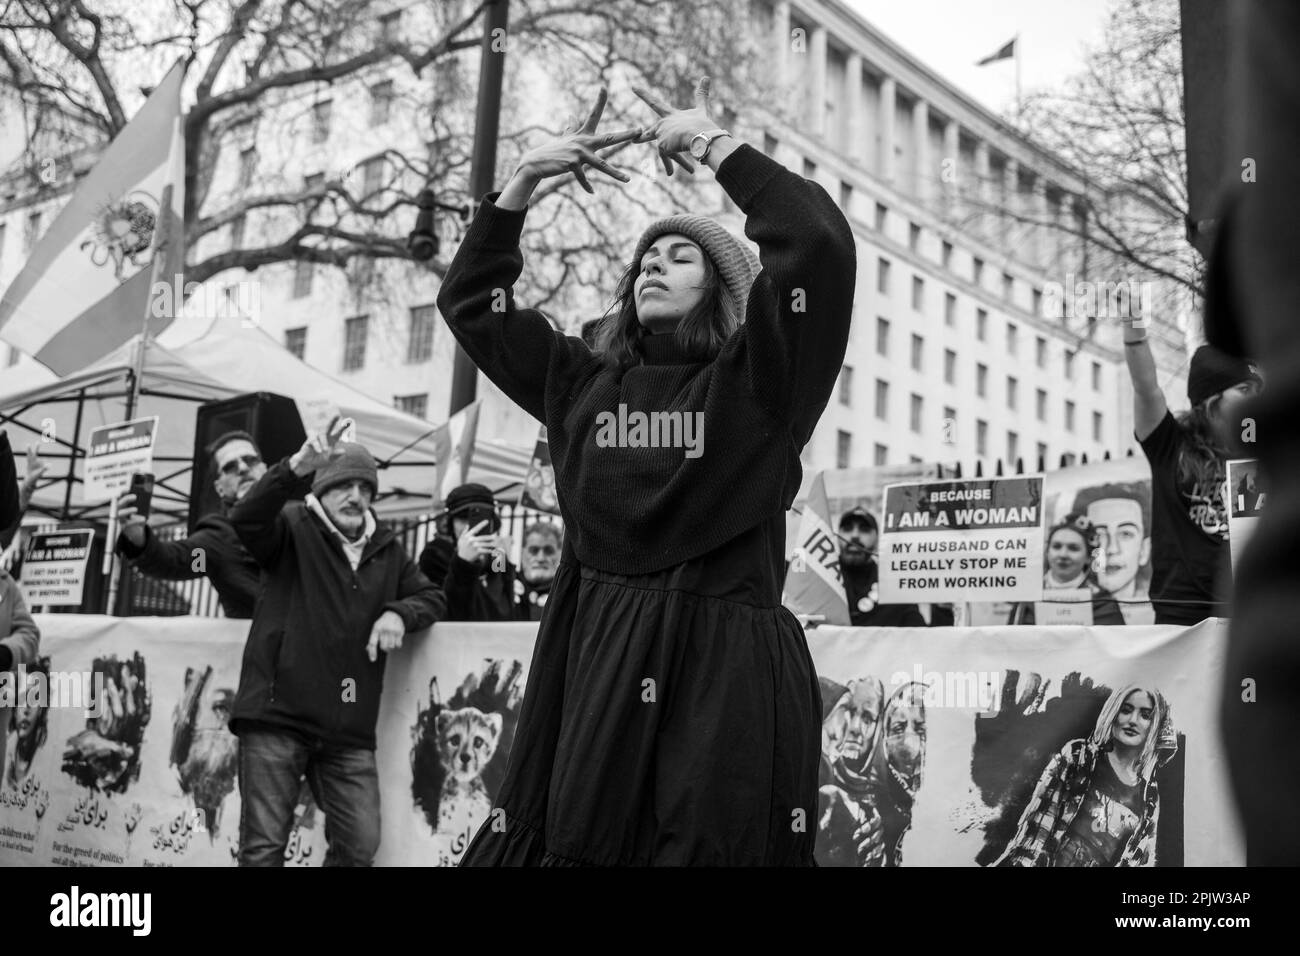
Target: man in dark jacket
pixel 339 589
pixel 10 511
pixel 213 549
pixel 466 558
pixel 859 535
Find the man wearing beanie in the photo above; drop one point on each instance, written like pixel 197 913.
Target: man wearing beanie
pixel 338 592
pixel 1188 456
pixel 467 559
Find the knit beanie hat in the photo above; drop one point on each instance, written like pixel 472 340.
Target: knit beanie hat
pixel 1213 370
pixel 355 462
pixel 734 260
pixel 473 501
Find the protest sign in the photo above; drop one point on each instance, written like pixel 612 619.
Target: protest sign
pixel 116 453
pixel 958 540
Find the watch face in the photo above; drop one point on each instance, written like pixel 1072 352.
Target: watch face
pixel 699 146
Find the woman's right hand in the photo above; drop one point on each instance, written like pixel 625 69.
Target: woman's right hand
pixel 575 150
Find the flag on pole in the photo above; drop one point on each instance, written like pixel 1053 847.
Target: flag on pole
pixel 85 289
pixel 1006 52
pixel 539 491
pixel 813 584
pixel 454 448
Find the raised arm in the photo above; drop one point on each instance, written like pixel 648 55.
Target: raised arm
pixel 797 318
pixel 515 347
pixel 1148 400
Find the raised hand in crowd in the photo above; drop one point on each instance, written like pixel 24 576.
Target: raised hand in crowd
pixel 36 469
pixel 321 448
pixel 676 128
pixel 471 545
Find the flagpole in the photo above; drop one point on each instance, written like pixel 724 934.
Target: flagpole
pixel 1020 111
pixel 162 238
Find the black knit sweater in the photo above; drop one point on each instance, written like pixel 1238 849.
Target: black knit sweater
pixel 635 510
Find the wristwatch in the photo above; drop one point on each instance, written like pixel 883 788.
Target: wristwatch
pixel 701 142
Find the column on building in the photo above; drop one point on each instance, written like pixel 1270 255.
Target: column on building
pixel 888 94
pixel 926 177
pixel 981 194
pixel 1012 229
pixel 853 104
pixel 781 42
pixel 1042 234
pixel 949 166
pixel 817 81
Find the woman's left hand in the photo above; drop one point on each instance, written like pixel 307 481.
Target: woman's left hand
pixel 676 128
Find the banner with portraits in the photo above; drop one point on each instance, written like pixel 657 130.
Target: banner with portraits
pixel 940 746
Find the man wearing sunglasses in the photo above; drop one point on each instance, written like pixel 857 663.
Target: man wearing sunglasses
pixel 213 550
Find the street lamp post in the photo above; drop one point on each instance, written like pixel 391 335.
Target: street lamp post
pixel 464 379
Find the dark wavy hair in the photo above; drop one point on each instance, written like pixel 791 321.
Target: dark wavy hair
pixel 1201 460
pixel 701 333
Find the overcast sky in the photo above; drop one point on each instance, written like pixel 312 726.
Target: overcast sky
pixel 950 35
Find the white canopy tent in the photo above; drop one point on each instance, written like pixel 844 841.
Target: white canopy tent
pixel 195 361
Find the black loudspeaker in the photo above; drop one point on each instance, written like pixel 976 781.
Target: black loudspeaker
pixel 272 420
pixel 1205 32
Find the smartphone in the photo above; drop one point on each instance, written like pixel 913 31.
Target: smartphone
pixel 142 488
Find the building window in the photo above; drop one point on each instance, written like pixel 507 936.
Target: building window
pixel 949 367
pixel 881 454
pixel 769 144
pixel 354 342
pixel 247 166
pixel 295 342
pixel 918 352
pixel 882 400
pixel 417 405
pixel 1096 376
pixel 2 245
pixel 1069 415
pixel 1040 351
pixel 1038 303
pixel 13 356
pixel 843 449
pixel 381 102
pixel 882 276
pixel 388 24
pixel 1013 388
pixel 1069 365
pixel 809 169
pixel 977 270
pixel 303 270
pixel 982 324
pixel 846 385
pixel 313 180
pixel 321 114
pixel 949 425
pixel 237 232
pixel 1013 448
pixel 372 177
pixel 419 342
pixel 1008 286
pixel 1042 455
pixel 1096 426
pixel 945 255
pixel 1040 405
pixel 918 407
pixel 846 197
pixel 981 437
pixel 1013 340
pixel 913 236
pixel 949 309
pixel 981 379
pixel 918 293
pixel 882 212
pixel 882 337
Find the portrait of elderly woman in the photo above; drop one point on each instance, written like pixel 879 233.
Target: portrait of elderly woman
pixel 873 755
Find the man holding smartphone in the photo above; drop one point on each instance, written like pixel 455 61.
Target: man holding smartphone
pixel 213 550
pixel 468 560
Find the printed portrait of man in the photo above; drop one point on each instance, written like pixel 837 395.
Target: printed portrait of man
pixel 1121 513
pixel 204 753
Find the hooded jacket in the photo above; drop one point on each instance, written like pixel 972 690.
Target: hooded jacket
pixel 305 667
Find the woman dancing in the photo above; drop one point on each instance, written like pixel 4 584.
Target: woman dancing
pixel 672 712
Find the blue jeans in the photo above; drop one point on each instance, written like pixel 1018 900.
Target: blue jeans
pixel 344 781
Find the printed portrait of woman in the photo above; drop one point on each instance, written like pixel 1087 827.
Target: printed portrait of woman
pixel 1097 804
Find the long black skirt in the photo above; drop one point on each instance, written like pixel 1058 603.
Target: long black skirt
pixel 669 719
